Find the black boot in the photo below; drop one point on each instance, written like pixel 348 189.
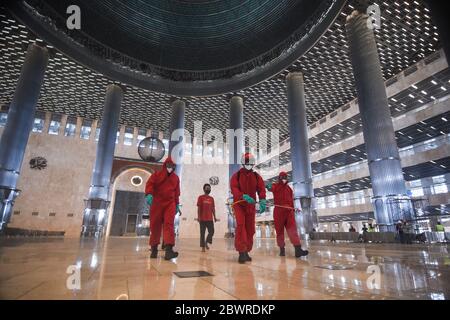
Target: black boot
pixel 242 257
pixel 154 253
pixel 248 257
pixel 282 252
pixel 170 254
pixel 299 252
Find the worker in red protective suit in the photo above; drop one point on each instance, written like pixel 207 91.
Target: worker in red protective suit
pixel 284 215
pixel 162 193
pixel 244 185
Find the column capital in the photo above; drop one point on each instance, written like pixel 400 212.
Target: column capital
pixel 177 101
pixel 115 87
pixel 39 49
pixel 356 14
pixel 239 98
pixel 294 74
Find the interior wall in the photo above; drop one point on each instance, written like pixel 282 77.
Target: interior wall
pixel 57 192
pixel 53 198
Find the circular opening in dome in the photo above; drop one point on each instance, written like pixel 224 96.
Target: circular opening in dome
pixel 136 181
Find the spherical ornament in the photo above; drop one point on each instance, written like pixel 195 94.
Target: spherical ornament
pixel 151 149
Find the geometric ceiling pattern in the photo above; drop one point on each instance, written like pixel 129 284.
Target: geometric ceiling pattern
pixel 406 36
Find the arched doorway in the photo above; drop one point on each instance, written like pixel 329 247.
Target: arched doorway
pixel 128 212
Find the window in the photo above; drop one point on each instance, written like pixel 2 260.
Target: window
pixel 209 151
pixel 440 188
pixel 188 148
pixel 415 183
pixel 55 124
pixel 417 192
pixel 344 199
pixel 86 128
pixel 97 130
pixel 71 126
pixel 39 121
pixel 220 152
pixel 359 197
pixel 128 137
pixel 166 146
pixel 142 134
pixel 118 135
pixel 439 179
pixel 198 149
pixel 332 201
pixel 321 203
pixel 3 118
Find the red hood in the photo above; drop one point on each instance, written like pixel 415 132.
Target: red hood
pixel 168 161
pixel 282 175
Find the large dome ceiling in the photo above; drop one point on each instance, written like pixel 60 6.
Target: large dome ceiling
pixel 184 47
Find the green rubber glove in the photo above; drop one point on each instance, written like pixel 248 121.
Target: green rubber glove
pixel 262 205
pixel 149 199
pixel 249 199
pixel 269 186
pixel 178 208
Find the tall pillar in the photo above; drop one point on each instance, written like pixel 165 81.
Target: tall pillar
pixel 18 127
pixel 94 217
pixel 236 147
pixel 388 185
pixel 300 154
pixel 177 124
pixel 177 142
pixel 439 13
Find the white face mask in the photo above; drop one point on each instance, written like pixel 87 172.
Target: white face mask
pixel 284 181
pixel 248 166
pixel 169 170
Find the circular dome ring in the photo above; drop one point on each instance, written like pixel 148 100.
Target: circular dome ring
pixel 126 69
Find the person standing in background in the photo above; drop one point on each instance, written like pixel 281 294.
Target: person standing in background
pixel 206 215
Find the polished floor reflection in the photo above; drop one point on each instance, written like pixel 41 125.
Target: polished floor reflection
pixel 120 268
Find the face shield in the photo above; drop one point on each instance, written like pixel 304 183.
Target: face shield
pixel 248 161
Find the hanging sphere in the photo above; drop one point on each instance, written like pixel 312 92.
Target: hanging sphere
pixel 151 149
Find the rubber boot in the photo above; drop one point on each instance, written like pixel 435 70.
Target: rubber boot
pixel 154 253
pixel 282 252
pixel 299 252
pixel 242 257
pixel 170 254
pixel 248 257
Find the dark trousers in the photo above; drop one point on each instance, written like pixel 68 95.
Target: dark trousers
pixel 203 226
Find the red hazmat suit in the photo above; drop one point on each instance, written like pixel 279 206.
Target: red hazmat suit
pixel 284 218
pixel 165 189
pixel 245 182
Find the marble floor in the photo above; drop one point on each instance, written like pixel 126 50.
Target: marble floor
pixel 120 268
